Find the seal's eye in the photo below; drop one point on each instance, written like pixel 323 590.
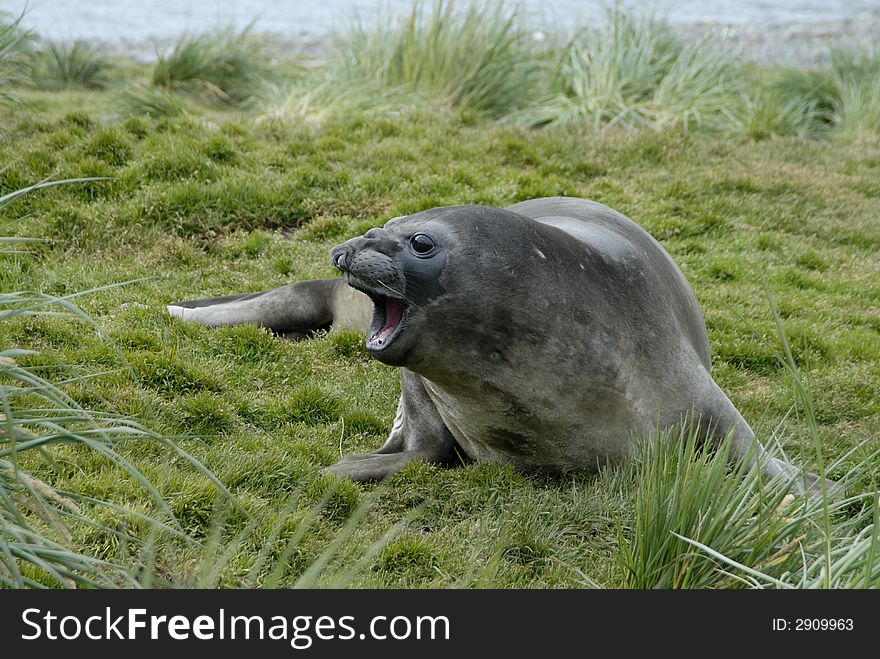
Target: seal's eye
pixel 421 244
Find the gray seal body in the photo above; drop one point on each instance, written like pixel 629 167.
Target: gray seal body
pixel 549 335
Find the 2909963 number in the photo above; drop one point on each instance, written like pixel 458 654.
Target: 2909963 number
pixel 823 624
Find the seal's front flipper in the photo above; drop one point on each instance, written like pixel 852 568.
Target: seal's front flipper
pixel 378 466
pixel 418 434
pixel 295 311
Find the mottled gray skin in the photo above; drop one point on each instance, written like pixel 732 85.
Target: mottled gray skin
pixel 549 335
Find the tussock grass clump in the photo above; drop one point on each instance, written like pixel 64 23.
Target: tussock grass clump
pixel 633 72
pixel 857 112
pixel 700 523
pixel 856 74
pixel 856 63
pixel 156 102
pixel 228 67
pixel 328 93
pixel 476 57
pixel 686 491
pixel 812 86
pixel 766 112
pixel 80 64
pixel 16 45
pixel 841 99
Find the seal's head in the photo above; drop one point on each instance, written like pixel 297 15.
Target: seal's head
pixel 399 268
pixel 440 281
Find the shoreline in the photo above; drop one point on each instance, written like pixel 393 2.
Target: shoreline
pixel 793 43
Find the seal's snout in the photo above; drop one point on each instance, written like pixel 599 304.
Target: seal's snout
pixel 375 244
pixel 367 267
pixel 340 256
pixel 340 260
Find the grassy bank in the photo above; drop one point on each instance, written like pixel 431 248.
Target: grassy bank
pixel 246 171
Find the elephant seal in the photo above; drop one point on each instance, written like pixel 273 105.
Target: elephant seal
pixel 549 334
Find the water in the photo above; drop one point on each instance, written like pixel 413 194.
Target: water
pixel 133 21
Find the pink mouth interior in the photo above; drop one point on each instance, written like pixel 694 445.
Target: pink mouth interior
pixel 393 316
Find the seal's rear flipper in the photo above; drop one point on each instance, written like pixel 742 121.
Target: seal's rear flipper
pixel 196 309
pixel 806 482
pixel 745 448
pixel 212 301
pixel 294 311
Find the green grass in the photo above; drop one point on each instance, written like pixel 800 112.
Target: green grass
pixel 701 524
pixel 45 528
pixel 196 208
pixel 470 57
pixel 42 526
pixel 322 94
pixel 857 111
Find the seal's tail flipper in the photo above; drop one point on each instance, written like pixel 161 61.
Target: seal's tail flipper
pixel 745 448
pixel 806 482
pixel 295 310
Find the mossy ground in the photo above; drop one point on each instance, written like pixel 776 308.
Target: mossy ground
pixel 196 207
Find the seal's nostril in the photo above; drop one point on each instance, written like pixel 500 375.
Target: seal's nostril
pixel 339 260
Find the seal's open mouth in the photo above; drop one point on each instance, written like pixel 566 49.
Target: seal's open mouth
pixel 389 314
